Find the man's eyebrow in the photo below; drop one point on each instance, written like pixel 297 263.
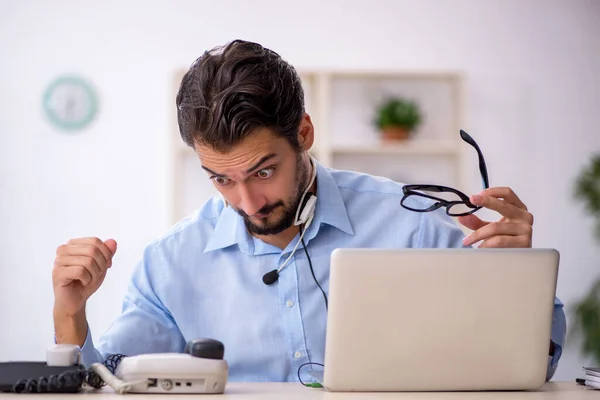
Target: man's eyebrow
pixel 248 171
pixel 260 162
pixel 213 172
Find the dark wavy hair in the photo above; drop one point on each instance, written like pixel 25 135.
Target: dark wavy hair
pixel 232 90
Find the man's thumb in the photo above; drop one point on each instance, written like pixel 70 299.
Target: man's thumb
pixel 112 245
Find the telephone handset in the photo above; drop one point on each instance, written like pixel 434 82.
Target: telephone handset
pixel 200 369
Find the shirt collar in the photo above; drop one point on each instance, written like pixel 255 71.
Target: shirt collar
pixel 230 230
pixel 330 210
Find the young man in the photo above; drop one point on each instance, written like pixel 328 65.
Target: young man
pixel 241 107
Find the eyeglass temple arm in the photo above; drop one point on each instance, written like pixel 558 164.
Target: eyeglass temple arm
pixel 482 167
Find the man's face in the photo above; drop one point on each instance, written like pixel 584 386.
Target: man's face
pixel 262 178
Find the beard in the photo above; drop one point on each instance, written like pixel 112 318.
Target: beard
pixel 273 227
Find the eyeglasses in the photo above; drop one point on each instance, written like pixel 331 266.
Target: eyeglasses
pixel 456 202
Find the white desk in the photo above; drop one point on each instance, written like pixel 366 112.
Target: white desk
pixel 291 391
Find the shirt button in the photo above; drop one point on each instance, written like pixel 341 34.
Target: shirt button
pixel 297 354
pixel 289 303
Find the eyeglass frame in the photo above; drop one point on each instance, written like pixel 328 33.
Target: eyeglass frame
pixel 411 190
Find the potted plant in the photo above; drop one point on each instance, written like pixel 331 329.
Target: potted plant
pixel 397 118
pixel 586 312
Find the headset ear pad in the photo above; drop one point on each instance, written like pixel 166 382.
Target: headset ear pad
pixel 308 209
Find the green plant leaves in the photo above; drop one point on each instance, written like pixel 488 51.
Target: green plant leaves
pixel 587 322
pixel 398 112
pixel 587 310
pixel 587 188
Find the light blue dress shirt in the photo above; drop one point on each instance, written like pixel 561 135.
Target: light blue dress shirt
pixel 203 279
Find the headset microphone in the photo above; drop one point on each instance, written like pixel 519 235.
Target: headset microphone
pixel 271 277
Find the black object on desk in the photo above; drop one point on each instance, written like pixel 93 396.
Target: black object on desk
pixel 38 377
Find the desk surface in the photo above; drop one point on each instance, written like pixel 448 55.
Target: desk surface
pixel 251 391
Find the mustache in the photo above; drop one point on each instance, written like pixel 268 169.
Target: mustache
pixel 264 210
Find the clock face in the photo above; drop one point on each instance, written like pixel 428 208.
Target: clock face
pixel 70 103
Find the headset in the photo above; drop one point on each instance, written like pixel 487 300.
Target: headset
pixel 304 216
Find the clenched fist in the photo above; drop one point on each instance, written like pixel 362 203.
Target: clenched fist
pixel 79 270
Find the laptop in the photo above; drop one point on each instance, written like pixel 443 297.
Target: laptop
pixel 439 319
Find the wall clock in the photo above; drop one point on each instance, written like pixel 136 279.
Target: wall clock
pixel 70 103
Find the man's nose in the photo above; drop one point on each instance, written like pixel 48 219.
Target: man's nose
pixel 251 203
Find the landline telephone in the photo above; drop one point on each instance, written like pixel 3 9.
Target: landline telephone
pixel 201 368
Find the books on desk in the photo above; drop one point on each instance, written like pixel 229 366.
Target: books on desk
pixel 592 377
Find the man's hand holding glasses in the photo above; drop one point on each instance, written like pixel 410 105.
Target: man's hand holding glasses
pixel 514 229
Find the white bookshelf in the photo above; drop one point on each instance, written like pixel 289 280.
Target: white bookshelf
pixel 422 147
pixel 342 106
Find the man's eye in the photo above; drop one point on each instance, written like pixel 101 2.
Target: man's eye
pixel 265 173
pixel 220 180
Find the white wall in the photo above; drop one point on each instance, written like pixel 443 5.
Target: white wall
pixel 533 103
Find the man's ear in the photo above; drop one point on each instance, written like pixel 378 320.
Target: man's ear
pixel 306 133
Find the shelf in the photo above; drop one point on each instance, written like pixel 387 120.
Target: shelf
pixel 431 148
